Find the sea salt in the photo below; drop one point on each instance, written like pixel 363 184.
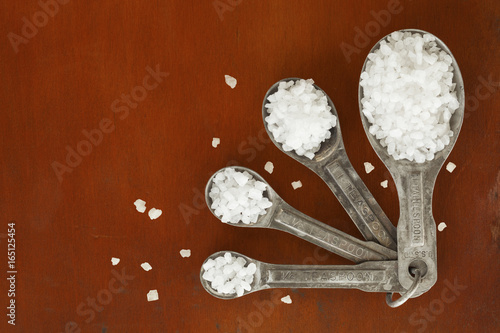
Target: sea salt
pixel 140 205
pixel 441 226
pixel 215 142
pixel 238 197
pixel 230 81
pixel 296 184
pixel 146 266
pixel 154 213
pixel 287 299
pixel 384 184
pixel 229 275
pixel 409 96
pixel 368 167
pixel 185 253
pixel 269 167
pixel 153 295
pixel 115 261
pixel 450 167
pixel 299 117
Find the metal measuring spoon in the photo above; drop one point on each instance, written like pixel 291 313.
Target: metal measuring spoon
pixel 282 216
pixel 415 184
pixel 372 276
pixel 333 166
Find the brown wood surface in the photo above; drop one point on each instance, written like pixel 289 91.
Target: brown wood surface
pixel 63 78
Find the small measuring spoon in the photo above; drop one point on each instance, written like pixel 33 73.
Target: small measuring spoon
pixel 372 276
pixel 282 216
pixel 333 166
pixel 415 184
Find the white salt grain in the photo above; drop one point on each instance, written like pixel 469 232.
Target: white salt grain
pixel 384 184
pixel 153 295
pixel 185 253
pixel 287 299
pixel 154 213
pixel 140 205
pixel 296 184
pixel 115 261
pixel 215 142
pixel 230 81
pixel 269 167
pixel 299 117
pixel 369 167
pixel 441 226
pixel 450 167
pixel 146 266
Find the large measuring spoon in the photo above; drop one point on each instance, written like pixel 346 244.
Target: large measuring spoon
pixel 415 184
pixel 333 166
pixel 282 216
pixel 372 276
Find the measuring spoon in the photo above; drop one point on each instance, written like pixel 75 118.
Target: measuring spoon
pixel 374 276
pixel 282 216
pixel 415 184
pixel 333 166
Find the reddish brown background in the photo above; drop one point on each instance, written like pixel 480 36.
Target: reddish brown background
pixel 65 79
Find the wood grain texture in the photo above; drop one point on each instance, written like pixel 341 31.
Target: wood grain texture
pixel 64 79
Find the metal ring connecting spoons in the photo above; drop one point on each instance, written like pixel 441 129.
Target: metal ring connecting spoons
pixel 415 184
pixel 332 164
pixel 282 216
pixel 373 276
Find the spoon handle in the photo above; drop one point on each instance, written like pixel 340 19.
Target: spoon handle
pixel 357 200
pixel 286 218
pixel 416 226
pixel 379 276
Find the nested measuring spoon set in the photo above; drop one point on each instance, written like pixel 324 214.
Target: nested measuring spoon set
pixel 390 260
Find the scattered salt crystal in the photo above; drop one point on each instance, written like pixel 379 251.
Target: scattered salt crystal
pixel 140 205
pixel 441 226
pixel 299 117
pixel 153 295
pixel 185 253
pixel 115 261
pixel 230 81
pixel 296 184
pixel 384 184
pixel 287 299
pixel 450 166
pixel 369 167
pixel 146 266
pixel 238 197
pixel 269 167
pixel 215 142
pixel 154 213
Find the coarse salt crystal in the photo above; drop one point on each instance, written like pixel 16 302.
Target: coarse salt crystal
pixel 287 299
pixel 154 213
pixel 153 295
pixel 140 205
pixel 441 226
pixel 215 142
pixel 369 167
pixel 146 266
pixel 384 184
pixel 185 253
pixel 450 167
pixel 296 184
pixel 230 81
pixel 269 167
pixel 115 261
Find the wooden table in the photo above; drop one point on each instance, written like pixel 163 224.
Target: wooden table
pixel 105 102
